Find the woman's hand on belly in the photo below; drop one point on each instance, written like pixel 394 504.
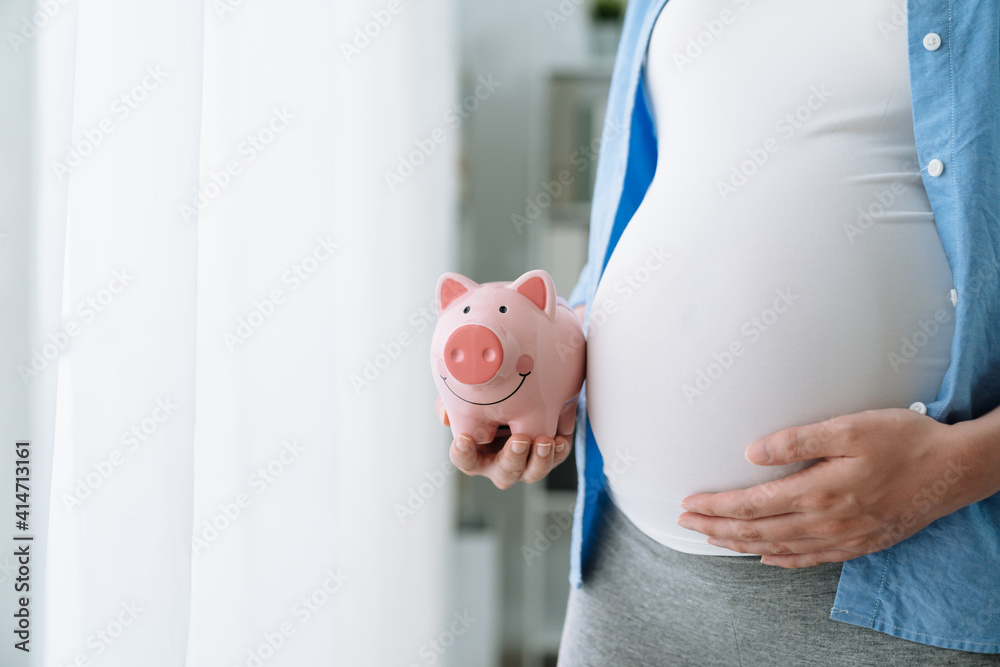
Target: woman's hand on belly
pixel 881 476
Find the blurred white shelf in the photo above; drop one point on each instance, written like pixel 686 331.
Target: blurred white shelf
pixel 477 590
pixel 594 68
pixel 577 98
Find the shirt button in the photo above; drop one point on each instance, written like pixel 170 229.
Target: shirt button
pixel 935 168
pixel 932 41
pixel 919 408
pixel 954 297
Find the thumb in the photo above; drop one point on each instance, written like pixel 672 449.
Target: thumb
pixel 440 411
pixel 799 443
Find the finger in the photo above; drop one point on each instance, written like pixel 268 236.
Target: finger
pixel 441 413
pixel 540 461
pixel 563 445
pixel 781 528
pixel 807 560
pixel 510 462
pixel 790 547
pixel 769 499
pixel 567 418
pixel 465 455
pixel 800 443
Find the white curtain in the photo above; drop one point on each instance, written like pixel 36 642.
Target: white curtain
pixel 243 396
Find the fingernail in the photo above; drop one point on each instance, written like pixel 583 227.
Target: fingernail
pixel 544 449
pixel 561 446
pixel 684 523
pixel 689 506
pixel 519 446
pixel 463 443
pixel 757 453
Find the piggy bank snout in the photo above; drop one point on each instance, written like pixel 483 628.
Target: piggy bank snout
pixel 473 354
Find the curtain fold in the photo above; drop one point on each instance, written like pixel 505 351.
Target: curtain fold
pixel 118 567
pixel 211 225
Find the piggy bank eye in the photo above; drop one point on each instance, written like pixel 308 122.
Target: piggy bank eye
pixel 503 309
pixel 467 309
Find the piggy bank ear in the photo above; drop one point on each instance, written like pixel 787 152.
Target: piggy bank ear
pixel 537 285
pixel 451 286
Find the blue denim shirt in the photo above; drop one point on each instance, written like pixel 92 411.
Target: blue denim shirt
pixel 942 585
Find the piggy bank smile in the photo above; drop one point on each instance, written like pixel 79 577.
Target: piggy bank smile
pixel 466 373
pixel 523 377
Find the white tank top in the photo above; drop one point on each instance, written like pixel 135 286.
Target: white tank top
pixel 783 267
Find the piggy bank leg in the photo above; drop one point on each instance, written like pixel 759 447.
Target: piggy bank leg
pixel 536 425
pixel 483 433
pixel 567 418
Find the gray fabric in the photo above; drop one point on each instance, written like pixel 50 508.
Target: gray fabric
pixel 645 604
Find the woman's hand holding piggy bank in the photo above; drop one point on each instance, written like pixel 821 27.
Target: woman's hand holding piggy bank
pixel 507 358
pixel 509 459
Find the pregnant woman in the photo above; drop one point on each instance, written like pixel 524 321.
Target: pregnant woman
pixel 794 239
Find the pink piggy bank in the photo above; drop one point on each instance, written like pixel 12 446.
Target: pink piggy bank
pixel 507 354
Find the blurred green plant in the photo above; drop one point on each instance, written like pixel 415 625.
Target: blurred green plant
pixel 608 10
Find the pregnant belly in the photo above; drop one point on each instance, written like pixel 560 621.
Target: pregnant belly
pixel 712 330
pixel 784 266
